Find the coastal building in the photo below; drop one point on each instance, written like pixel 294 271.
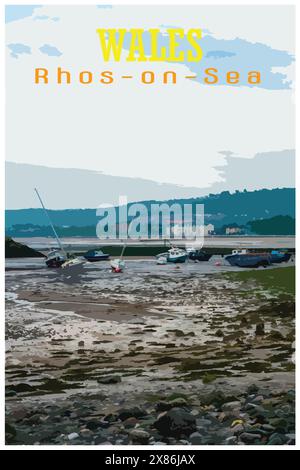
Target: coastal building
pixel 177 231
pixel 234 230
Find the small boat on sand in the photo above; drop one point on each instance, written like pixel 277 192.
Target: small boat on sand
pixel 73 262
pixel 174 255
pixel 278 256
pixel 248 259
pixel 199 255
pixel 95 255
pixel 57 258
pixel 118 264
pixel 162 260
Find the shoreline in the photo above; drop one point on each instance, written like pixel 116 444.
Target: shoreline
pixel 88 348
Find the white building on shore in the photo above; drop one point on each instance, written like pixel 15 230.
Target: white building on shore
pixel 177 231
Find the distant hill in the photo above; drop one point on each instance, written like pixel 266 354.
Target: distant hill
pixel 220 209
pixel 279 225
pixel 242 206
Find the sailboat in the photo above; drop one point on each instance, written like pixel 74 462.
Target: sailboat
pixel 118 264
pixel 57 258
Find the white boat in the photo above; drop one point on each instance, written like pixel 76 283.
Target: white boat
pixel 174 255
pixel 118 264
pixel 162 260
pixel 73 262
pixel 55 259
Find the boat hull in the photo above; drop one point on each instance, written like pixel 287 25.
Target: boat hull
pixel 249 261
pixel 95 255
pixel 162 260
pixel 117 265
pixel 73 264
pixel 199 256
pixel 55 263
pixel 180 257
pixel 177 259
pixel 93 259
pixel 280 257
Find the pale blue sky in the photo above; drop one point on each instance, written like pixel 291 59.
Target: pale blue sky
pixel 18 12
pixel 166 133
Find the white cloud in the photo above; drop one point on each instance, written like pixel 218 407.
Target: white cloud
pixel 165 133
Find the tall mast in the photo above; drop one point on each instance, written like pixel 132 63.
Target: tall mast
pixel 50 221
pixel 123 249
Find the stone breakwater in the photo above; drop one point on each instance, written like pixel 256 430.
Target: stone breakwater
pixel 150 357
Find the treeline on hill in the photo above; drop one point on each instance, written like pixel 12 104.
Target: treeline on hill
pixel 278 225
pixel 264 211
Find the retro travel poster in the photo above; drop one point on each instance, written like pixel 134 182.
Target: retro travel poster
pixel 150 226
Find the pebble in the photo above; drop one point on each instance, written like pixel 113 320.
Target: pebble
pixel 130 422
pixel 196 438
pixel 238 428
pixel 175 423
pixel 230 441
pixel 249 438
pixel 111 379
pixel 277 439
pixel 138 435
pixel 168 405
pixel 135 411
pixel 258 399
pixel 268 427
pixel 19 413
pixel 233 405
pixel 73 436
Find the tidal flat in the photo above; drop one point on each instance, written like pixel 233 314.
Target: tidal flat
pixel 156 355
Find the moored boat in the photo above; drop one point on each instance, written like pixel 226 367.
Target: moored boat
pixel 279 256
pixel 162 260
pixel 55 259
pixel 247 259
pixel 95 255
pixel 199 255
pixel 118 264
pixel 174 255
pixel 73 262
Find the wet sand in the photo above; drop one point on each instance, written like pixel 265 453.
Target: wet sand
pixel 84 346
